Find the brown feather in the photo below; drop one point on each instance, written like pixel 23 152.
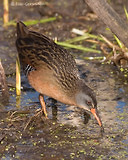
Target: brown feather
pixel 37 50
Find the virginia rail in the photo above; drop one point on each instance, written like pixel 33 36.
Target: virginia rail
pixel 52 71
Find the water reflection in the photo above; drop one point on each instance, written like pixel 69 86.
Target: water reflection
pixel 120 106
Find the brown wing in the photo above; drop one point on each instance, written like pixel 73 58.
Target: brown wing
pixel 35 50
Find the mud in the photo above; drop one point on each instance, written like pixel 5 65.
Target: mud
pixel 69 133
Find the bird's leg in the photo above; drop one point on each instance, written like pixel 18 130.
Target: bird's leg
pixel 42 102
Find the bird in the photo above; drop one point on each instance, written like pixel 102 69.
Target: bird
pixel 52 71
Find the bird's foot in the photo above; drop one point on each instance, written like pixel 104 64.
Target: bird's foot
pixel 40 111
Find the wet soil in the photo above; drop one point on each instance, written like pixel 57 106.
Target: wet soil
pixel 69 133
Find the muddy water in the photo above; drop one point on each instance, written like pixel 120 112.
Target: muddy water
pixel 69 133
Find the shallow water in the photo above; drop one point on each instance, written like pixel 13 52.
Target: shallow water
pixel 68 133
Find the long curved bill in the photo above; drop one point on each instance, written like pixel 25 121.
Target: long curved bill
pixel 94 112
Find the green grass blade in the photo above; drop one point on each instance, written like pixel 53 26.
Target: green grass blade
pixel 126 12
pixel 118 41
pixel 77 39
pixel 47 20
pixel 79 32
pixel 78 47
pixel 94 36
pixel 33 22
pixel 94 58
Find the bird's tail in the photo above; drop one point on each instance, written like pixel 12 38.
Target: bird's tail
pixel 22 29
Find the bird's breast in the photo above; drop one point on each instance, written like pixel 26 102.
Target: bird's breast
pixel 44 82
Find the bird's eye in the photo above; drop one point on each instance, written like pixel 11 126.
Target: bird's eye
pixel 88 103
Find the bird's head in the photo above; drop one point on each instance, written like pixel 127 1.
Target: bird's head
pixel 86 99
